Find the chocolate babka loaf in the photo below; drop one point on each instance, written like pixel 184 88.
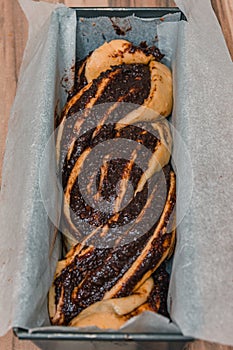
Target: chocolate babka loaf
pixel 113 150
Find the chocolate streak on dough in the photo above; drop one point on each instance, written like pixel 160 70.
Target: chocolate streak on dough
pixel 99 218
pixel 80 79
pixel 157 300
pixel 115 171
pixel 89 276
pixel 150 50
pixel 128 77
pixel 124 83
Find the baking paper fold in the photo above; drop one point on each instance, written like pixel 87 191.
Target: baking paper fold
pixel 200 296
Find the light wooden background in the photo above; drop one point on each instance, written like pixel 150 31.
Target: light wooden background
pixel 13 37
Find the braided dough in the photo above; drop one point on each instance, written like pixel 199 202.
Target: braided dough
pixel 117 52
pixel 98 284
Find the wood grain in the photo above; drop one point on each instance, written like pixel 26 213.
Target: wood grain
pixel 13 36
pixel 224 12
pixel 13 29
pixel 142 3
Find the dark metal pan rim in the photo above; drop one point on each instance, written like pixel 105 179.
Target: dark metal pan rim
pixel 24 334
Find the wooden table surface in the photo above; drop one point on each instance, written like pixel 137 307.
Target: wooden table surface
pixel 13 36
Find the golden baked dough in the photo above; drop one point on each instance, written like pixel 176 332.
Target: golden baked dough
pixel 112 313
pixel 113 53
pixel 159 102
pixel 117 52
pixel 160 157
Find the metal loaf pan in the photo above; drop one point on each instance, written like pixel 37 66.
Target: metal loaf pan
pixel 51 339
